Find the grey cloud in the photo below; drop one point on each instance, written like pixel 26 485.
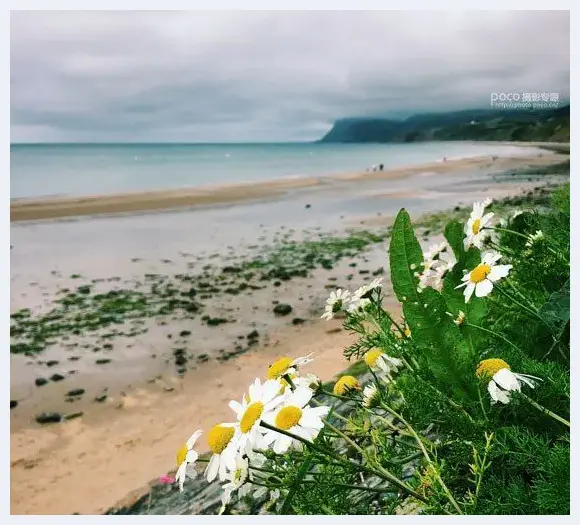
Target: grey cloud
pixel 211 76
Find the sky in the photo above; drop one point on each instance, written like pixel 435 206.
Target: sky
pixel 233 76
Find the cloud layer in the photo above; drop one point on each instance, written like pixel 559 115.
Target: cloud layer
pixel 266 76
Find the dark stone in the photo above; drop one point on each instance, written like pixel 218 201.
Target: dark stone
pixel 40 381
pixel 56 377
pixel 48 417
pixel 297 320
pixel 101 399
pixel 76 392
pixel 308 206
pixel 180 360
pixel 184 333
pixel 13 404
pixel 254 334
pixel 74 415
pixel 282 309
pixel 52 362
pixel 103 361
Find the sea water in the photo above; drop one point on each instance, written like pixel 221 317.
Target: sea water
pixel 38 170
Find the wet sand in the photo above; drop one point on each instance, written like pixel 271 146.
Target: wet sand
pixel 50 208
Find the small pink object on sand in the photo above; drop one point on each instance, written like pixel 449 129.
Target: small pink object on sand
pixel 166 480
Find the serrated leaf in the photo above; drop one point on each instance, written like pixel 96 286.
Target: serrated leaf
pixel 405 257
pixel 455 235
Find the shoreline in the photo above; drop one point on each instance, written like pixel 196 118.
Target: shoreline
pixel 43 208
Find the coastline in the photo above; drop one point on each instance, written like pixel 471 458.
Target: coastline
pixel 87 464
pixel 33 209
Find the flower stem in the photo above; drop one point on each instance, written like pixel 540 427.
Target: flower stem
pixel 545 410
pixel 495 334
pixel 384 474
pixel 425 453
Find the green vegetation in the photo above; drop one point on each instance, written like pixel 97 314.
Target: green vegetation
pixel 460 407
pixel 551 125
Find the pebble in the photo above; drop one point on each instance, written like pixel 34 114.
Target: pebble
pixel 48 417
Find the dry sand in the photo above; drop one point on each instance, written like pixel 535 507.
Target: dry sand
pixel 50 208
pixel 87 465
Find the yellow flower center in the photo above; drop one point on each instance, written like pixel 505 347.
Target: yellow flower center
pixel 219 437
pixel 479 273
pixel 407 332
pixel 344 384
pixel 475 226
pixel 279 368
pixel 372 356
pixel 251 415
pixel 288 417
pixel 489 367
pixel 182 454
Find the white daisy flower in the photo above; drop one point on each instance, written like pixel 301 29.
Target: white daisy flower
pixel 381 363
pixel 186 458
pixel 357 304
pixel 261 398
pixel 474 229
pixel 296 417
pixel 225 451
pixel 502 380
pixel 363 291
pixel 238 476
pixel 335 303
pixel 437 261
pixel 371 396
pixel 481 279
pixel 533 238
pixel 288 366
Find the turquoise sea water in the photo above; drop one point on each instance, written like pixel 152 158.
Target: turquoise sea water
pixel 88 169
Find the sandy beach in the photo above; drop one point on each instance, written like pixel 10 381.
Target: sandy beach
pixel 50 208
pixel 148 405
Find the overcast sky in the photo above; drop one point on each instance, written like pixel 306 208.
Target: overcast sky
pixel 266 76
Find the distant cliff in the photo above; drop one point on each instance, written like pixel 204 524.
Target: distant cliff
pixel 551 125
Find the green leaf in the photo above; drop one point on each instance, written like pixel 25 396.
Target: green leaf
pixel 405 257
pixel 433 331
pixel 556 311
pixel 454 235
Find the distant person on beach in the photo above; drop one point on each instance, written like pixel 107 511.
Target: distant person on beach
pixel 444 159
pixel 381 167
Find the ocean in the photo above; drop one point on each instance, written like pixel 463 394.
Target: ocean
pixel 40 170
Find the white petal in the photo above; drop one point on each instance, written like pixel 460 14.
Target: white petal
pixel 301 361
pixel 317 411
pixel 191 456
pixel 483 288
pixel 497 394
pixel 194 437
pixel 311 421
pixel 300 397
pixel 282 444
pixel 237 408
pixel 468 292
pixel 485 219
pixel 498 272
pixel 180 475
pixel 270 390
pixel 212 468
pixel 527 379
pixel 255 391
pixel 506 379
pixel 222 469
